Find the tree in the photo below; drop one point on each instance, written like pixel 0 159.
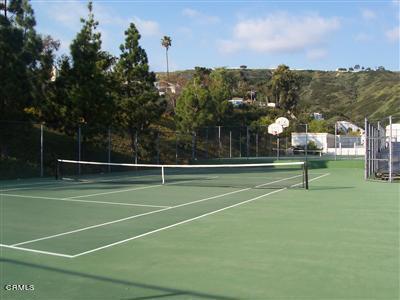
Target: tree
pixel 20 48
pixel 202 75
pixel 284 88
pixel 195 107
pixel 318 126
pixel 220 93
pixel 166 42
pixel 87 79
pixel 137 99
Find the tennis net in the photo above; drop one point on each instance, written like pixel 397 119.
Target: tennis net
pixel 257 175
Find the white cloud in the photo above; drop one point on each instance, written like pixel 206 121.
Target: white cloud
pixel 363 37
pixel 147 27
pixel 68 14
pixel 199 16
pixel 393 34
pixel 316 54
pixel 368 14
pixel 279 32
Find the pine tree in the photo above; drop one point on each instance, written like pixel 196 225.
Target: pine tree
pixel 195 107
pixel 138 101
pixel 87 79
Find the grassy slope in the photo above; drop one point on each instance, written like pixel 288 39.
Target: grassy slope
pixel 351 96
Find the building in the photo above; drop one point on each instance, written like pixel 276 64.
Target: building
pixel 236 102
pixel 163 87
pixel 395 132
pixel 322 140
pixel 341 70
pixel 317 116
pixel 346 126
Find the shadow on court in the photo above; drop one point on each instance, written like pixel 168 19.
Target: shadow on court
pixel 161 292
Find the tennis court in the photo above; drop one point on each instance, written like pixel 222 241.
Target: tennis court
pixel 256 231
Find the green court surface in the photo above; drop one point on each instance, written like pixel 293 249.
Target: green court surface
pixel 265 238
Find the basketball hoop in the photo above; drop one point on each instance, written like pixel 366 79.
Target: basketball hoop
pixel 275 129
pixel 283 122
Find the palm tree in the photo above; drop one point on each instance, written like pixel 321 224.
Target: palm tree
pixel 166 42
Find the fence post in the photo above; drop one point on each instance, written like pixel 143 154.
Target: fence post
pixel 176 148
pixel 366 149
pixel 206 142
pixel 158 147
pixel 230 143
pixel 109 149
pixel 136 147
pixel 247 142
pixel 257 144
pixel 193 145
pixel 335 139
pixel 390 149
pixel 240 142
pixel 277 147
pixel 286 152
pixel 41 151
pixel 219 141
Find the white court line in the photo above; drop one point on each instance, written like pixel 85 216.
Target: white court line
pixel 36 251
pixel 148 213
pixel 84 201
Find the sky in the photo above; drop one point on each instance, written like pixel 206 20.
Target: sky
pixel 317 35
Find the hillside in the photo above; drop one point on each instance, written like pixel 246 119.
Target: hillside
pixel 351 96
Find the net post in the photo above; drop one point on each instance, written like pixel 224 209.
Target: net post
pixel 305 167
pixel 79 149
pixel 57 171
pixel 162 175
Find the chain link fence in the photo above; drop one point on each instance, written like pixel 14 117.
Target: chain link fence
pixel 30 149
pixel 382 144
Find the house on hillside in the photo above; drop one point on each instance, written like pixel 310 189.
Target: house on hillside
pixel 346 126
pixel 317 116
pixel 270 104
pixel 163 87
pixel 236 102
pixel 341 70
